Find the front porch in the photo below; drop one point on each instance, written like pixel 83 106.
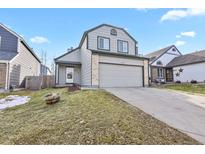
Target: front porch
pixel 67 73
pixel 161 74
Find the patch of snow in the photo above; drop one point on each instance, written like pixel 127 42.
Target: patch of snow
pixel 13 100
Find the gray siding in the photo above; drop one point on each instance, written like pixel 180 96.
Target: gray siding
pixel 9 42
pixel 24 64
pixel 105 32
pixel 74 56
pixel 86 65
pixel 121 60
pixel 62 75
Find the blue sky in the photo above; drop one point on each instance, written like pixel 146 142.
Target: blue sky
pixel 55 30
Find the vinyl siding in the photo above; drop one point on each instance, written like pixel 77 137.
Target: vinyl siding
pixel 104 31
pixel 74 56
pixel 62 75
pixel 86 65
pixel 24 64
pixel 9 42
pixel 190 72
pixel 120 60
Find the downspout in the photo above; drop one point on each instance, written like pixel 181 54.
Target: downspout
pixel 7 76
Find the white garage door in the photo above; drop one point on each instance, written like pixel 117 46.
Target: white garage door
pixel 112 75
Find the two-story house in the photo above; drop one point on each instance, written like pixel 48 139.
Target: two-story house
pixel 17 59
pixel 107 56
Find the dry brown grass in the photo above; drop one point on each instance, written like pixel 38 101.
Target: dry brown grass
pixel 83 117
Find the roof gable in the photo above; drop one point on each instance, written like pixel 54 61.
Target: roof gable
pixel 74 54
pixel 92 29
pixel 157 54
pixel 21 40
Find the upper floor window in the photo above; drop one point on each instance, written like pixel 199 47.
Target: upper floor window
pixel 122 46
pixel 113 32
pixel 103 43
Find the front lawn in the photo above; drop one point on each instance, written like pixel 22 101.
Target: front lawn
pixel 83 117
pixel 192 88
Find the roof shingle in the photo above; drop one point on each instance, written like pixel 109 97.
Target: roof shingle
pixel 185 60
pixel 154 55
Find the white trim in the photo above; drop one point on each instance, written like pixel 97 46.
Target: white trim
pixel 7 76
pixel 4 61
pixel 14 58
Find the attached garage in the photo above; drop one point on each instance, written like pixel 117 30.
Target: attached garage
pixel 120 75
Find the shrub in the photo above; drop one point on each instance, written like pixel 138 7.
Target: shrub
pixel 178 81
pixel 193 81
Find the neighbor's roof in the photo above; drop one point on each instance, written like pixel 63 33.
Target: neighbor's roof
pixel 22 40
pixel 185 60
pixel 199 53
pixel 156 54
pixel 5 55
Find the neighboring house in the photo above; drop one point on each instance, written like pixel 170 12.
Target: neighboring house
pixel 107 56
pixel 159 72
pixel 169 65
pixel 17 59
pixel 45 70
pixel 189 67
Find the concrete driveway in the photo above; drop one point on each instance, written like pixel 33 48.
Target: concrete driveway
pixel 177 109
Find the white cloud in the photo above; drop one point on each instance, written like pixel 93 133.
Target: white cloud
pixel 182 13
pixel 39 40
pixel 178 36
pixel 189 34
pixel 180 43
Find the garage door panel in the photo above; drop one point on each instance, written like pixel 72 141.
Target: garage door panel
pixel 112 75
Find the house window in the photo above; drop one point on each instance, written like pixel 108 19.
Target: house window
pixel 159 62
pixel 103 43
pixel 113 32
pixel 173 49
pixel 160 73
pixel 122 46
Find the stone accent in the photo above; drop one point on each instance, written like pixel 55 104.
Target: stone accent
pixel 146 73
pixel 95 70
pixel 2 75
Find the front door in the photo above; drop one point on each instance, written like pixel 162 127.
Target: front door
pixel 69 74
pixel 169 75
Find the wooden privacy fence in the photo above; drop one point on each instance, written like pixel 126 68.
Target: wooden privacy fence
pixel 39 82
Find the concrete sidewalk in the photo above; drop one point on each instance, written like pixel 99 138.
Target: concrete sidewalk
pixel 179 110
